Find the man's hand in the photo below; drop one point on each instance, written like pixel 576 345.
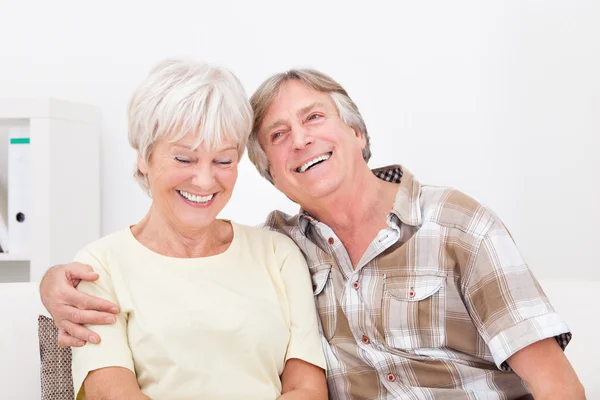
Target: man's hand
pixel 71 308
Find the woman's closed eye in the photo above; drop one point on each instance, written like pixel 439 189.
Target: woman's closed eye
pixel 183 160
pixel 224 162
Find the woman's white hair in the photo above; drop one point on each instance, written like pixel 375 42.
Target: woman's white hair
pixel 183 96
pixel 267 92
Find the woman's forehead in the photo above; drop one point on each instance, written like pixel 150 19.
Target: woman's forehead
pixel 196 142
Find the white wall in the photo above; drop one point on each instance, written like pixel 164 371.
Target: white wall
pixel 499 99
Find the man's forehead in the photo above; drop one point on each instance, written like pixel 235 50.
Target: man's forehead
pixel 297 98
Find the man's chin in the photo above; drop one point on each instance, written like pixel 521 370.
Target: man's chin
pixel 316 191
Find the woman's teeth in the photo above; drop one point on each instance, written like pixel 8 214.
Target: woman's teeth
pixel 196 199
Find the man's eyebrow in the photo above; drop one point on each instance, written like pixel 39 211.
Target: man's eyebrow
pixel 273 125
pixel 304 110
pixel 300 113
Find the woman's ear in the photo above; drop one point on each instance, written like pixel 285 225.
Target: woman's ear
pixel 141 164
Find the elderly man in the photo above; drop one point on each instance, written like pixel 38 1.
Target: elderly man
pixel 421 291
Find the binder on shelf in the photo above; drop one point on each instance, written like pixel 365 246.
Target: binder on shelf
pixel 19 234
pixel 3 235
pixel 3 216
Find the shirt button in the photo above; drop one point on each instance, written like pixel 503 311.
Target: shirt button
pixel 412 293
pixel 330 240
pixel 355 285
pixel 365 340
pixel 391 377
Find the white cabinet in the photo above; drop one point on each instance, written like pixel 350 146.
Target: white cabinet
pixel 63 182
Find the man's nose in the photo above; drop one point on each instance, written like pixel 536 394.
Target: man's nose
pixel 301 137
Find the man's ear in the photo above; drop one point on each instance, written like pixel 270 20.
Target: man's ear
pixel 360 137
pixel 141 164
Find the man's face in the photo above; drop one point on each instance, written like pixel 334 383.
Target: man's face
pixel 311 151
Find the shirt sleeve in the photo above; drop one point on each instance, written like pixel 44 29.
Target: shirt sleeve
pixel 506 302
pixel 113 349
pixel 305 340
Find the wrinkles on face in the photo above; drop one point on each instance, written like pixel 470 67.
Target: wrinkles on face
pixel 190 186
pixel 310 150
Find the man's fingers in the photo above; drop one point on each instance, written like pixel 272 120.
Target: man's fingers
pixel 92 317
pixel 84 301
pixel 77 271
pixel 66 340
pixel 80 332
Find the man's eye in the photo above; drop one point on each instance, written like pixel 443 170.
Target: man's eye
pixel 182 160
pixel 312 117
pixel 276 136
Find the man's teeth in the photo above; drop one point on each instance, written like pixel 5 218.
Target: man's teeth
pixel 312 162
pixel 196 199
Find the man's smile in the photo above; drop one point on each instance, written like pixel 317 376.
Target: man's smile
pixel 313 162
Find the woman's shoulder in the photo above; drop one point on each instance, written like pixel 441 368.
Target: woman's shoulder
pixel 262 235
pixel 114 242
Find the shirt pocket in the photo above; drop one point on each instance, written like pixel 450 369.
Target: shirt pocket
pixel 414 310
pixel 325 299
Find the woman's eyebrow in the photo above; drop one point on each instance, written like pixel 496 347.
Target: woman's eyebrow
pixel 228 149
pixel 182 145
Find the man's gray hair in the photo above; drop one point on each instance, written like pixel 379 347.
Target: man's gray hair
pixel 263 97
pixel 183 96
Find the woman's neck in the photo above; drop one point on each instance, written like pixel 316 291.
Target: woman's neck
pixel 160 236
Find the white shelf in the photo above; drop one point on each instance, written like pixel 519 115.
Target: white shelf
pixel 48 108
pixel 14 257
pixel 64 162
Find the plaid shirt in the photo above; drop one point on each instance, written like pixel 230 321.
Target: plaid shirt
pixel 438 302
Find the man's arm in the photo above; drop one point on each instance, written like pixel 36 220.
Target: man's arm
pixel 514 316
pixel 71 308
pixel 112 383
pixel 303 381
pixel 547 372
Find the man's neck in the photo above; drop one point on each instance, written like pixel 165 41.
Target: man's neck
pixel 353 203
pixel 356 212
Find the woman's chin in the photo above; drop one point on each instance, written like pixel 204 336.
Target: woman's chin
pixel 191 221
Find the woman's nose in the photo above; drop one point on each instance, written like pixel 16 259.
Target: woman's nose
pixel 203 178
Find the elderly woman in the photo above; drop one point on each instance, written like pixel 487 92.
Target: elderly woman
pixel 209 309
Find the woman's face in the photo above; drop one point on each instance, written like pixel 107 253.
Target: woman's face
pixel 190 187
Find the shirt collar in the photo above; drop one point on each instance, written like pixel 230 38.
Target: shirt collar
pixel 406 205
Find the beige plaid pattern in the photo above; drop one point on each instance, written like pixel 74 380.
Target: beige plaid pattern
pixel 437 304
